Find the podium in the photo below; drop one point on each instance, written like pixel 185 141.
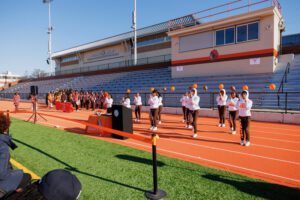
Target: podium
pixel 121 120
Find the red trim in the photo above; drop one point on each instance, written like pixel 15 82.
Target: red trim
pixel 233 56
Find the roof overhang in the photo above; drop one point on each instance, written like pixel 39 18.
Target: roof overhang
pixel 229 20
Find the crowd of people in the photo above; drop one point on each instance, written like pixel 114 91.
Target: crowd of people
pixel 80 99
pixel 237 106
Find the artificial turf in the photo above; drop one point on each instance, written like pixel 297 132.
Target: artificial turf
pixel 112 171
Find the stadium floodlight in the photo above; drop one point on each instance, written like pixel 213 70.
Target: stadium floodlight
pixel 134 34
pixel 49 32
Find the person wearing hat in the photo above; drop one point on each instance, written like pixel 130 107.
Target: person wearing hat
pixel 57 184
pixel 154 104
pixel 10 180
pixel 244 105
pixel 221 101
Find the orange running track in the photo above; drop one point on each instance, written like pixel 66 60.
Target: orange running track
pixel 274 154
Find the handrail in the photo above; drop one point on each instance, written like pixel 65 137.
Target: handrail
pixel 284 78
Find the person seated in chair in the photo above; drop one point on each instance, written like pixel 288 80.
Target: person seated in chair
pixel 58 184
pixel 10 180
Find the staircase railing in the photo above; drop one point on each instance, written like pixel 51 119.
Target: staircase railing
pixel 284 78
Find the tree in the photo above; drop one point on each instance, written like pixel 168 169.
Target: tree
pixel 38 73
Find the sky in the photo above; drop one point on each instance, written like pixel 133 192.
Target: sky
pixel 23 24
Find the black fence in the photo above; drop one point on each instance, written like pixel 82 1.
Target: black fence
pixel 273 101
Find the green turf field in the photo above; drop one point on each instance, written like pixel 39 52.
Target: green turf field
pixel 111 171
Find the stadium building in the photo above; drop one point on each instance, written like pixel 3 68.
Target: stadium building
pixel 153 46
pixel 8 79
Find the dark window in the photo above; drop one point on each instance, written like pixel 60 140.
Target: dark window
pixel 229 36
pixel 242 33
pixel 253 31
pixel 220 37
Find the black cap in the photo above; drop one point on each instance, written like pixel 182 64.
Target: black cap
pixel 60 184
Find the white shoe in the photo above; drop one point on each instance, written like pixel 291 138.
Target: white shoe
pixel 195 135
pixel 220 125
pixel 151 128
pixel 136 120
pixel 233 132
pixel 183 120
pixel 247 144
pixel 159 122
pixel 154 129
pixel 190 127
pixel 242 143
pixel 223 125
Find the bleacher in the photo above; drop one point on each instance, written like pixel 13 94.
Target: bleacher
pixel 141 81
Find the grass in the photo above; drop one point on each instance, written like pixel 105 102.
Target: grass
pixel 111 171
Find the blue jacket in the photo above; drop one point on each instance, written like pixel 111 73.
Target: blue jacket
pixel 9 178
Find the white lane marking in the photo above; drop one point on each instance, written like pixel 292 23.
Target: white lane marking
pixel 220 163
pixel 231 151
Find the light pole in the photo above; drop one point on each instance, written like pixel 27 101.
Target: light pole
pixel 135 35
pixel 49 32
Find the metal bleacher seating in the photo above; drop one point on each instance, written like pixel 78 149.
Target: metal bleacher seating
pixel 141 81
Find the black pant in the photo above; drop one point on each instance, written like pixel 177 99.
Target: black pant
pixel 109 110
pixel 159 113
pixel 188 116
pixel 26 180
pixel 153 117
pixel 245 128
pixel 195 114
pixel 76 106
pixel 183 111
pixel 222 110
pixel 138 111
pixel 232 119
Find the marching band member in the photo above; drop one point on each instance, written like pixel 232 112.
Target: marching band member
pixel 183 104
pixel 194 109
pixel 160 107
pixel 232 108
pixel 16 101
pixel 244 105
pixel 154 104
pixel 126 101
pixel 138 107
pixel 108 103
pixel 221 101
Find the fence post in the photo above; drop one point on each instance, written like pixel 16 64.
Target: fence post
pixel 286 95
pixel 212 100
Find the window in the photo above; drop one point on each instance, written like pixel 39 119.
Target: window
pixel 220 36
pixel 229 36
pixel 247 32
pixel 225 36
pixel 154 41
pixel 69 59
pixel 253 31
pixel 241 33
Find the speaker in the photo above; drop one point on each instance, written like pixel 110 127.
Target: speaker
pixel 34 90
pixel 121 120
